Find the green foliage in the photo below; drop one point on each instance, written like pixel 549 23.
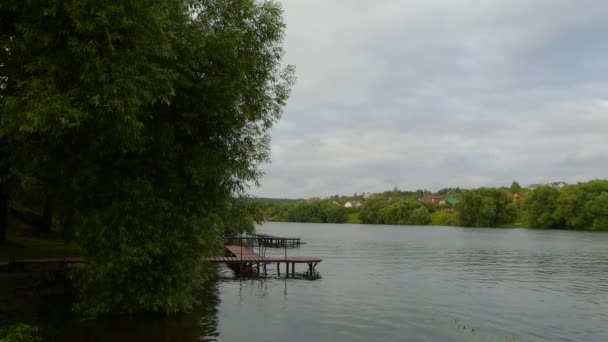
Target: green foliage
pixel 309 212
pixel 447 191
pixel 370 211
pixel 335 214
pixel 485 207
pixel 441 218
pixel 409 211
pixel 569 209
pixel 420 216
pixel 20 333
pixel 540 206
pixel 147 119
pixel 581 206
pixel 598 210
pixel 515 187
pixel 148 261
pixel 306 212
pixel 353 218
pixel 378 210
pixel 578 206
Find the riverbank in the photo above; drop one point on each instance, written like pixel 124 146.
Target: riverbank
pixel 514 225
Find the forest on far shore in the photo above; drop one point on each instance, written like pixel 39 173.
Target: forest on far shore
pixel 583 206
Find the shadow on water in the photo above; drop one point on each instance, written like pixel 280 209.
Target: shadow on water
pixel 40 296
pixel 45 298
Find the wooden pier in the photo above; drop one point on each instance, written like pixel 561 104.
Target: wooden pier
pixel 277 241
pixel 244 260
pixel 239 255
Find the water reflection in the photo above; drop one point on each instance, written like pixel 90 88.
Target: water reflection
pixel 37 296
pixel 201 325
pixel 45 299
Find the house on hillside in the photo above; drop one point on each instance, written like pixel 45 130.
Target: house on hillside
pixel 352 204
pixel 451 201
pixel 430 199
pixel 558 185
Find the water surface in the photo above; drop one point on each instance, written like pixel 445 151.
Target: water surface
pixel 389 283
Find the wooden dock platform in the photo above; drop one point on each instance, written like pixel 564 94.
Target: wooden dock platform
pixel 277 241
pixel 247 260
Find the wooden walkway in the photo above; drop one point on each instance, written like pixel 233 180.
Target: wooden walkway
pixel 240 257
pixel 247 260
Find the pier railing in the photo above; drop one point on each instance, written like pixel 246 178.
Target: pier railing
pixel 262 242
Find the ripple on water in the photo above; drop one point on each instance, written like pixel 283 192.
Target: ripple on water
pixel 386 283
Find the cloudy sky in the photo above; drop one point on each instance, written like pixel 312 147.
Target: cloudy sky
pixel 434 93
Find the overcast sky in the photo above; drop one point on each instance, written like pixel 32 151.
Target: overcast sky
pixel 436 93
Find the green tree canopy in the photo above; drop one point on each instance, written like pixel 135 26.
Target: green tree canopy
pixel 598 210
pixel 148 118
pixel 485 207
pixel 515 187
pixel 370 211
pixel 420 216
pixel 540 206
pixel 402 212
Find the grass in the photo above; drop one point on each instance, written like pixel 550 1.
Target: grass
pixel 20 247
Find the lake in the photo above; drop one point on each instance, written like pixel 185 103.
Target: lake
pixel 406 283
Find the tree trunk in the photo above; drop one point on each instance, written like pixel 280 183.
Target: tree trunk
pixel 3 217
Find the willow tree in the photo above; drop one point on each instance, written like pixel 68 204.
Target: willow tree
pixel 148 118
pixel 486 207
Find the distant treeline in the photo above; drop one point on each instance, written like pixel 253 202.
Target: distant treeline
pixel 581 206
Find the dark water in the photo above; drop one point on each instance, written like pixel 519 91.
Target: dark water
pixel 386 283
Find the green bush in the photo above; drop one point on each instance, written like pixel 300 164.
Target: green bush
pixel 20 333
pixel 441 218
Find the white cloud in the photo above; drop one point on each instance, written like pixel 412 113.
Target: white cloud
pixel 427 94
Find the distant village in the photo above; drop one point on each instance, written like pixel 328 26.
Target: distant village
pixel 447 198
pixel 550 205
